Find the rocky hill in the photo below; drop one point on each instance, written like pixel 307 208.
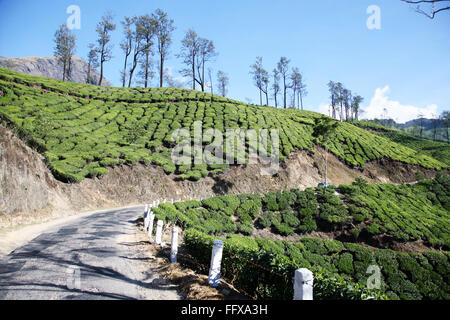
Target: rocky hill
pixel 48 67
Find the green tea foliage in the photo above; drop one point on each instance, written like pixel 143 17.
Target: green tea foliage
pixel 86 129
pixel 340 269
pixel 437 150
pixel 401 213
pixel 243 258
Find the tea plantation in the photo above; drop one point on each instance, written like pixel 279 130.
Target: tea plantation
pixel 83 129
pixel 437 150
pixel 401 213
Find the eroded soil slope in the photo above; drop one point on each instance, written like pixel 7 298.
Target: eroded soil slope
pixel 29 193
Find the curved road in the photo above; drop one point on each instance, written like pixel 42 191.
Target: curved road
pixel 89 258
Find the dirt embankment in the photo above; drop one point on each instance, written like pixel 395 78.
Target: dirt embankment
pixel 29 193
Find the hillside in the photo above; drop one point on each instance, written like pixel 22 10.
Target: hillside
pixel 339 234
pixel 435 149
pixel 48 67
pixel 83 130
pixel 114 147
pixel 412 127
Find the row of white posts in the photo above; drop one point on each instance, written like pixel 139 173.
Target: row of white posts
pixel 303 278
pixel 149 219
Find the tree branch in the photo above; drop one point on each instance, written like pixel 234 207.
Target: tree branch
pixel 433 12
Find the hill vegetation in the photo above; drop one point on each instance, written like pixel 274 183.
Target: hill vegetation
pixel 361 216
pixel 84 129
pixel 435 149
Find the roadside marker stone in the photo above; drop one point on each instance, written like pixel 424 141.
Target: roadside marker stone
pixel 151 219
pixel 174 249
pixel 159 227
pixel 216 260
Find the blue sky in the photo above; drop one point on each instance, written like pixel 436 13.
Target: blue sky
pixel 403 67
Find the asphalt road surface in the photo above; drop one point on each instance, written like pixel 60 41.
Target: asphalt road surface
pixel 88 258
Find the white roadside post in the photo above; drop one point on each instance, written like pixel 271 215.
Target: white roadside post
pixel 174 249
pixel 171 201
pixel 159 227
pixel 151 219
pixel 303 284
pixel 146 217
pixel 216 260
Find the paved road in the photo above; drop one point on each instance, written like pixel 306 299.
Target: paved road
pixel 88 258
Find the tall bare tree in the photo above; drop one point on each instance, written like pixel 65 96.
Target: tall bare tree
pixel 163 31
pixel 356 102
pixel 283 69
pixel 211 87
pixel 92 62
pixel 190 47
pixel 420 118
pixel 298 87
pixel 340 99
pixel 206 52
pixel 445 119
pixel 138 48
pixel 104 29
pixel 347 102
pixel 147 30
pixel 127 44
pixel 222 82
pixel 64 50
pixel 276 85
pixel 332 87
pixel 260 79
pixel 324 131
pixel 265 85
pixel 435 123
pixel 302 92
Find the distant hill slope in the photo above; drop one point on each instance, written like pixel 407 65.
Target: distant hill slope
pixel 48 67
pixel 435 149
pixel 412 127
pixel 84 129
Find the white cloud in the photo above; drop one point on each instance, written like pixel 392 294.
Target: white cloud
pixel 395 110
pixel 324 108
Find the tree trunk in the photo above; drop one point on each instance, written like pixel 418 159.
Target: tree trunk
pixel 64 70
pixel 301 100
pixel 161 71
pixel 147 66
pixel 124 72
pixel 132 70
pixel 193 72
pixel 203 75
pixel 102 60
pixel 101 73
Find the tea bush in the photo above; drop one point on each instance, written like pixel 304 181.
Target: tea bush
pixel 70 118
